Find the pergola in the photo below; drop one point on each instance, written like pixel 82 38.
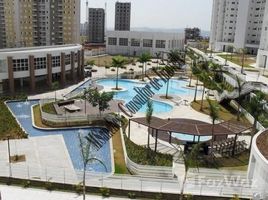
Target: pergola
pixel 190 127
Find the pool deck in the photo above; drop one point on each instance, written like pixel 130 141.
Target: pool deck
pixel 44 153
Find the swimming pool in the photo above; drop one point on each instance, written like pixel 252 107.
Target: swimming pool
pixel 190 138
pixel 22 111
pixel 176 87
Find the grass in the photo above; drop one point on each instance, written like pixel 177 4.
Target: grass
pixel 103 61
pixel 37 117
pixel 144 156
pixel 9 126
pixel 49 108
pixel 237 59
pixel 226 112
pixel 238 162
pixel 120 165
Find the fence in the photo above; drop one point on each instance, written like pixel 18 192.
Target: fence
pixel 52 118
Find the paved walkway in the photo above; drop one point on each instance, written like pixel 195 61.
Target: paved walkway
pixel 17 193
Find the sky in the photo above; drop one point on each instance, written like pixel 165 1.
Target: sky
pixel 166 14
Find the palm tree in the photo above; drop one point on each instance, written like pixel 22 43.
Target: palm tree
pixel 214 115
pixel 175 57
pixel 158 54
pixel 204 77
pixel 190 160
pixel 196 71
pixel 240 87
pixel 86 145
pixel 149 114
pixel 117 62
pixel 243 52
pixel 144 58
pixel 256 109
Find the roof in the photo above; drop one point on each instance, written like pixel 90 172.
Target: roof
pixel 262 143
pixel 193 127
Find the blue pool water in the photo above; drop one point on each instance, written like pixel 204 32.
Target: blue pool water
pixel 175 88
pixel 22 111
pixel 190 138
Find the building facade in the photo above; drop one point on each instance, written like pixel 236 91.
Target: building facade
pixel 134 43
pixel 96 25
pixel 238 24
pixel 39 22
pixel 122 16
pixel 40 66
pixel 258 164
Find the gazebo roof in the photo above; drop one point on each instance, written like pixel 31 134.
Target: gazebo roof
pixel 193 127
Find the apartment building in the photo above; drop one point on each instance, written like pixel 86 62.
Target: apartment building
pixel 122 16
pixel 39 22
pixel 134 43
pixel 237 23
pixel 96 25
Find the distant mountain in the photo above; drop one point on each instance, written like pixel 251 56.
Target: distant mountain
pixel 179 30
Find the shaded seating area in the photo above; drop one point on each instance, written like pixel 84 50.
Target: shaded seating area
pixel 166 130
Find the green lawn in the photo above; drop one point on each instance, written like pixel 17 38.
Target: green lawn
pixel 237 59
pixel 103 61
pixel 49 108
pixel 9 126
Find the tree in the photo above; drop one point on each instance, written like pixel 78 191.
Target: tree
pixel 91 62
pixel 55 86
pixel 95 98
pixel 86 147
pixel 175 57
pixel 214 115
pixel 256 109
pixel 242 52
pixel 240 87
pixel 144 58
pixel 205 78
pixel 196 71
pixel 149 114
pixel 158 54
pixel 190 160
pixel 117 62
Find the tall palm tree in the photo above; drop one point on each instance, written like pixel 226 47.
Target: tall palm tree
pixel 256 109
pixel 86 144
pixel 204 77
pixel 196 71
pixel 144 58
pixel 149 114
pixel 158 54
pixel 190 160
pixel 240 87
pixel 214 115
pixel 242 52
pixel 117 62
pixel 175 57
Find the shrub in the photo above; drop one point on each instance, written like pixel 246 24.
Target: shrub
pixel 159 196
pixel 131 195
pixel 78 188
pixel 105 192
pixel 48 185
pixel 26 183
pixel 113 70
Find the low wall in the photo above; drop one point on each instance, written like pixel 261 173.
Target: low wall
pixel 145 170
pixel 61 119
pixel 249 117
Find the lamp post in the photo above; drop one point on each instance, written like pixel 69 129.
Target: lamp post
pixel 9 156
pixel 85 101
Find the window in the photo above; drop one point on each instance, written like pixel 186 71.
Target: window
pixel 112 41
pixel 135 42
pixel 147 43
pixel 20 65
pixel 67 59
pixel 40 63
pixel 160 44
pixel 56 61
pixel 123 41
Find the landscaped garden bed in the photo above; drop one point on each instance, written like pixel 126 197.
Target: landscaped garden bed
pixel 9 126
pixel 145 156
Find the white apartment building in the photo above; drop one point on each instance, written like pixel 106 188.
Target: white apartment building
pixel 134 43
pixel 237 23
